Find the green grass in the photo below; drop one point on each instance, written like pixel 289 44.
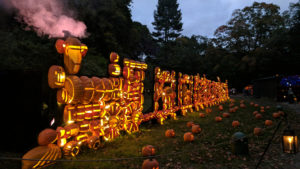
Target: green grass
pixel 210 149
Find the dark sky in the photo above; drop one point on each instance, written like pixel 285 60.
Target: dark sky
pixel 199 17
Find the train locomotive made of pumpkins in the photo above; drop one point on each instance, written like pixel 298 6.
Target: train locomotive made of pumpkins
pixel 97 109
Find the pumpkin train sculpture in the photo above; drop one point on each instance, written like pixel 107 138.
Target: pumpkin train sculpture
pixel 97 109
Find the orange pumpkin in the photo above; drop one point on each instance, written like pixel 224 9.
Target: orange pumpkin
pixel 218 119
pixel 196 129
pixel 235 123
pixel 170 133
pixel 208 110
pixel 281 113
pixel 257 131
pixel 226 115
pixel 276 115
pixel 262 110
pixel 56 77
pixel 242 105
pixel 258 116
pixel 262 107
pixel 71 148
pixel 150 164
pixel 256 105
pixel 268 122
pixel 189 124
pixel 148 150
pixel 220 107
pixel 50 152
pixel 231 105
pixel 47 136
pixel 188 137
pixel 251 103
pixel 202 115
pixel 231 110
pixel 236 108
pixel 255 113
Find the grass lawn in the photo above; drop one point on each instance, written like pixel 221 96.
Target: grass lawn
pixel 210 149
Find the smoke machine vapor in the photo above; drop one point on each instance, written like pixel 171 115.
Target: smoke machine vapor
pixel 48 17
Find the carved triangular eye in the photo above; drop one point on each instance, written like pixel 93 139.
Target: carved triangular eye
pixel 83 49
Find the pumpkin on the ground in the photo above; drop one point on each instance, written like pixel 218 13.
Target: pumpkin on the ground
pixel 267 107
pixel 202 115
pixel 225 115
pixel 170 133
pixel 189 124
pixel 255 113
pixel 242 105
pixel 258 116
pixel 231 105
pixel 188 137
pixel 150 164
pixel 257 131
pixel 196 129
pixel 148 150
pixel 262 110
pixel 276 115
pixel 220 107
pixel 218 119
pixel 281 113
pixel 235 123
pixel 256 105
pixel 251 103
pixel 268 122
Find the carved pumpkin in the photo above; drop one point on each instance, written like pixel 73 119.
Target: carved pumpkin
pixel 94 142
pixel 258 116
pixel 268 122
pixel 218 119
pixel 150 164
pixel 114 57
pixel 196 129
pixel 47 136
pixel 276 115
pixel 170 133
pixel 56 77
pixel 235 123
pixel 73 90
pixel 188 137
pixel 71 148
pixel 88 90
pixel 114 70
pixel 202 115
pixel 225 115
pixel 255 113
pixel 50 152
pixel 257 131
pixel 148 150
pixel 189 124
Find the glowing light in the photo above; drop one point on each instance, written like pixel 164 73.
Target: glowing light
pixel 52 122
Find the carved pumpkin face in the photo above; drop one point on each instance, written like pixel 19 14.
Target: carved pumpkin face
pixel 73 51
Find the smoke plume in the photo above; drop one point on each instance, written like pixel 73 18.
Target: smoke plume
pixel 48 17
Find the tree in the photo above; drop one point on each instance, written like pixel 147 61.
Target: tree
pixel 167 21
